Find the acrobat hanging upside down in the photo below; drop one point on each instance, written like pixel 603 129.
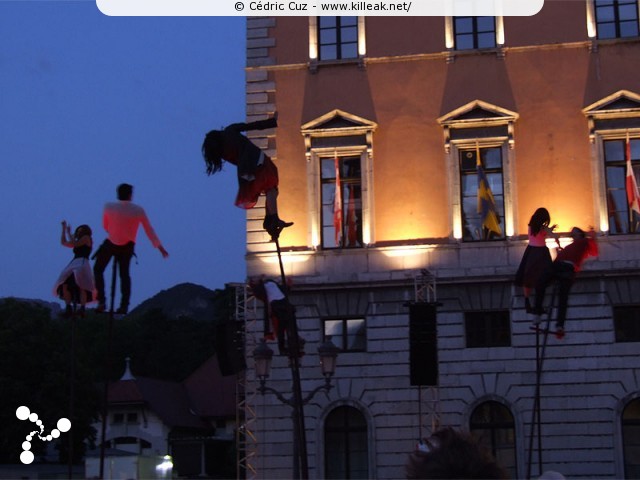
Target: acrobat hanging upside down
pixel 256 172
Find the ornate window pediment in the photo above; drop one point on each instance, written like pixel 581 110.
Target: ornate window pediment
pixel 620 110
pixel 478 119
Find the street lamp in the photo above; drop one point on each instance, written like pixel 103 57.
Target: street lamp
pixel 262 356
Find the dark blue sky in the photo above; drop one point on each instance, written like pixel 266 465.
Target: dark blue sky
pixel 90 101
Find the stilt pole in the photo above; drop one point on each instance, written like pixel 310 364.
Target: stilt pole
pixel 536 420
pixel 107 368
pixel 301 466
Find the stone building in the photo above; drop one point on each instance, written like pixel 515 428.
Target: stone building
pixel 410 283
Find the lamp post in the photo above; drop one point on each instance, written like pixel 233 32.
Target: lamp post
pixel 262 356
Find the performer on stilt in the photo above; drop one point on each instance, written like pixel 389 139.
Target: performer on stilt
pixel 75 283
pixel 563 269
pixel 121 220
pixel 279 311
pixel 536 258
pixel 256 172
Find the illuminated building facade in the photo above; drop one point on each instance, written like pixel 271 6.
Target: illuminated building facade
pixel 404 115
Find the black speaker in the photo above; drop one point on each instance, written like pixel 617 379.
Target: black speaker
pixel 423 344
pixel 230 348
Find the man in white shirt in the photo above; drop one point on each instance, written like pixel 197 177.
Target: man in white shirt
pixel 121 220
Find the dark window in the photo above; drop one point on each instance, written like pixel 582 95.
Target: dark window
pixel 616 18
pixel 492 424
pixel 132 418
pixel 348 334
pixel 622 219
pixel 345 440
pixel 626 322
pixel 482 194
pixel 337 38
pixel 341 208
pixel 631 439
pixel 474 32
pixel 487 329
pixel 118 418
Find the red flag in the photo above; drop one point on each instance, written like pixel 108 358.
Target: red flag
pixel 633 198
pixel 352 232
pixel 337 205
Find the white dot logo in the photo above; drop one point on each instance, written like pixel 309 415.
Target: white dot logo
pixel 23 413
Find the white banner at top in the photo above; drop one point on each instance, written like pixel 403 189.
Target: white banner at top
pixel 383 8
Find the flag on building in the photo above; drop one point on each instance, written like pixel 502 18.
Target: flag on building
pixel 486 203
pixel 337 205
pixel 633 198
pixel 352 228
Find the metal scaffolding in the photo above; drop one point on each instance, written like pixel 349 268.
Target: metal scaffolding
pixel 425 292
pixel 246 417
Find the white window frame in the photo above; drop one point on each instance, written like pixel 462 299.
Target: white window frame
pixel 314 52
pixel 450 39
pixel 452 148
pixel 599 111
pixel 313 130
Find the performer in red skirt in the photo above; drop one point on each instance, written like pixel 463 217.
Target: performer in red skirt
pixel 256 172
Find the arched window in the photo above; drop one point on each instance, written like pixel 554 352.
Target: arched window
pixel 492 423
pixel 631 438
pixel 345 444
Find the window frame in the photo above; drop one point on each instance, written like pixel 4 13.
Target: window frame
pixel 314 45
pixel 620 320
pixel 489 340
pixel 593 30
pixel 348 432
pixel 344 335
pixel 351 136
pixel 461 132
pixel 493 426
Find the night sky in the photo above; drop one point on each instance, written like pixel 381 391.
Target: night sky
pixel 89 102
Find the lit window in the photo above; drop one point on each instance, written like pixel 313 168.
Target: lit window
pixel 626 323
pixel 616 18
pixel 631 439
pixel 346 445
pixel 493 425
pixel 622 219
pixel 487 329
pixel 473 33
pixel 482 195
pixel 339 152
pixel 337 38
pixel 341 207
pixel 348 334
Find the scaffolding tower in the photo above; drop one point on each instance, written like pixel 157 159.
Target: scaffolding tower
pixel 246 417
pixel 425 292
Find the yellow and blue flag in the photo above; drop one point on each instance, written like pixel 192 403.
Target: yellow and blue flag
pixel 486 203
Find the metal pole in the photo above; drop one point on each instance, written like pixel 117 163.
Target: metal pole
pixel 107 368
pixel 300 440
pixel 72 379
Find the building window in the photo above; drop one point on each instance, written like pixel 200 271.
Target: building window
pixel 337 38
pixel 618 154
pixel 631 439
pixel 118 418
pixel 493 425
pixel 339 153
pixel 482 195
pixel 348 334
pixel 341 202
pixel 346 445
pixel 626 323
pixel 487 329
pixel 616 18
pixel 132 418
pixel 479 143
pixel 473 33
